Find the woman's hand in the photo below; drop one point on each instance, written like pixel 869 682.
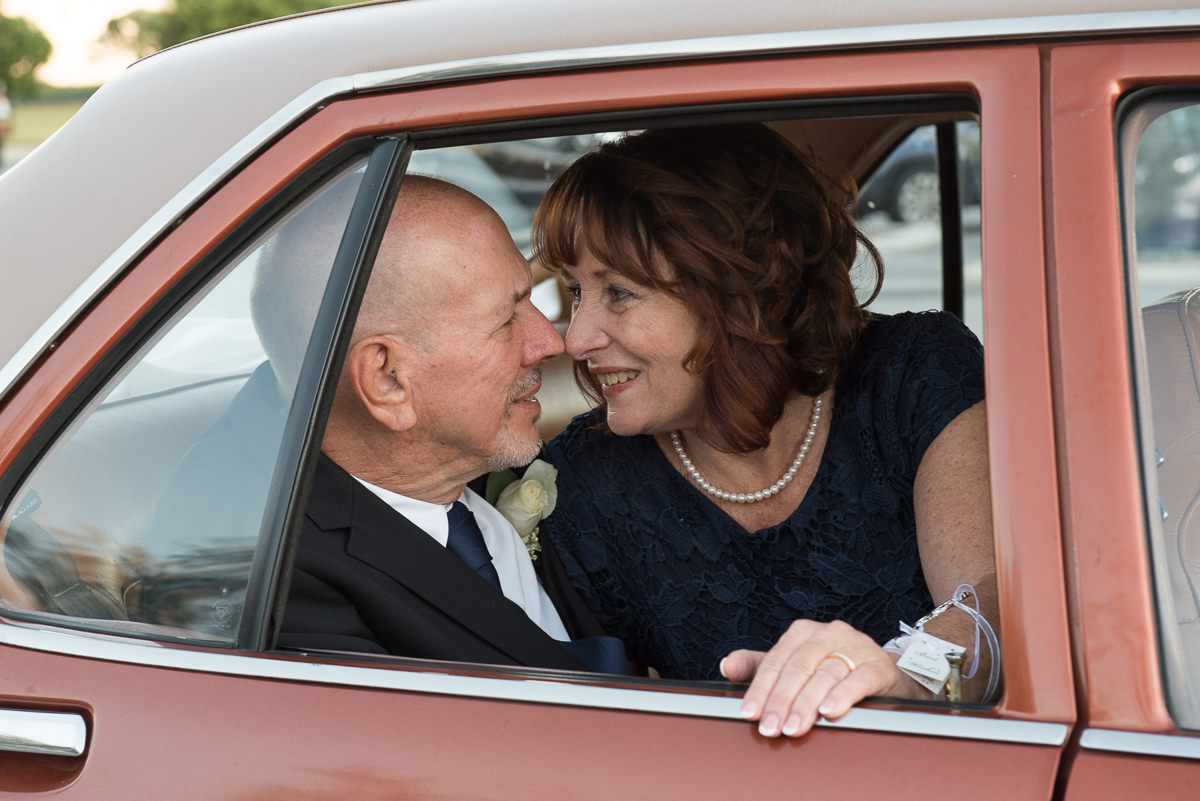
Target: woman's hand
pixel 815 668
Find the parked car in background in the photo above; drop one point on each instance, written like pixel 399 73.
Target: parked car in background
pixel 906 184
pixel 129 243
pixel 528 166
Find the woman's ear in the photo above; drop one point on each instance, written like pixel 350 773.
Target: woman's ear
pixel 381 382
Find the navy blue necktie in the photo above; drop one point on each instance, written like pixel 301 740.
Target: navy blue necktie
pixel 466 542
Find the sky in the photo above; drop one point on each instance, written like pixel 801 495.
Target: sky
pixel 74 28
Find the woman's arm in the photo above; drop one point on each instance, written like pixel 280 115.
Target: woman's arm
pixel 803 675
pixel 953 507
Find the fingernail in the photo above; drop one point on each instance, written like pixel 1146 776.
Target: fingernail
pixel 769 726
pixel 792 725
pixel 827 708
pixel 721 667
pixel 749 709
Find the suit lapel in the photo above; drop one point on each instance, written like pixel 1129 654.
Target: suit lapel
pixel 574 612
pixel 391 544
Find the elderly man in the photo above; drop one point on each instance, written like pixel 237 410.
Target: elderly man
pixel 396 555
pixel 439 386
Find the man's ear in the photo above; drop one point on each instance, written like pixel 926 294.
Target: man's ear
pixel 381 382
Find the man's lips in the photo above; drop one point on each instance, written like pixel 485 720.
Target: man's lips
pixel 525 391
pixel 529 395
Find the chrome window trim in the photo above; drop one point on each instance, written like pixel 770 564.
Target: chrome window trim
pixel 775 44
pixel 1176 746
pixel 114 648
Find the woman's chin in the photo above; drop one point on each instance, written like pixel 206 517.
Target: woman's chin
pixel 622 426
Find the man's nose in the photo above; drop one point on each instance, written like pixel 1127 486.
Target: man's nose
pixel 544 340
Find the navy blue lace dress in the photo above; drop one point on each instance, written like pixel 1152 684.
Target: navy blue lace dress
pixel 683 584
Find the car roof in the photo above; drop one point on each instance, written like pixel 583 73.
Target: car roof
pixel 155 139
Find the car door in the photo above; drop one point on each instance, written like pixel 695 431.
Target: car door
pixel 1125 132
pixel 192 701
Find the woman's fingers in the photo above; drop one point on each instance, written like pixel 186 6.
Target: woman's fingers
pixel 741 665
pixel 872 677
pixel 814 668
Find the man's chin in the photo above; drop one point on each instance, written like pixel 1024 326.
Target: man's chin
pixel 516 452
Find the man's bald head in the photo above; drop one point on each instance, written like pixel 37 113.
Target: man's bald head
pixel 439 382
pixel 422 245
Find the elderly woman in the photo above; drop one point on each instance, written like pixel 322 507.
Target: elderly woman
pixel 774 479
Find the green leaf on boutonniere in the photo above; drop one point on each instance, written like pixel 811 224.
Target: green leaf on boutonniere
pixel 497 481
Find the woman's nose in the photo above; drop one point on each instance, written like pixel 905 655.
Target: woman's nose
pixel 584 334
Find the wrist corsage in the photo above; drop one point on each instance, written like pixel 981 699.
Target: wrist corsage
pixel 527 501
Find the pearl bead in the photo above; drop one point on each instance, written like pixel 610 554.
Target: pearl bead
pixel 752 497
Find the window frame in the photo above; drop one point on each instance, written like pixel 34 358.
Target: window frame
pixel 1128 130
pixel 302 428
pixel 1036 692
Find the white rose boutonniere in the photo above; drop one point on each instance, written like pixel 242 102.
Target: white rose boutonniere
pixel 528 500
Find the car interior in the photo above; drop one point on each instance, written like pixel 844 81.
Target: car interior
pixel 81 525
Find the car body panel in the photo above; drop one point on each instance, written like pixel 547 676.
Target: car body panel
pixel 347 737
pixel 1076 595
pixel 1121 674
pixel 692 84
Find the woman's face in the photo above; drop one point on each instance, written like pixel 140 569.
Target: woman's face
pixel 634 340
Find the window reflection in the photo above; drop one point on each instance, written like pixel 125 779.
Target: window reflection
pixel 148 508
pixel 1164 175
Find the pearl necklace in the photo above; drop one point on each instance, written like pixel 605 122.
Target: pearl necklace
pixel 763 494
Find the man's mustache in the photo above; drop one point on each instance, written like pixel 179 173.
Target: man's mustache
pixel 525 384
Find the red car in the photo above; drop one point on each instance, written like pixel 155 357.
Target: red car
pixel 128 243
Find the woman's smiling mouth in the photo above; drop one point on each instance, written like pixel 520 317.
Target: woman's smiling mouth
pixel 611 379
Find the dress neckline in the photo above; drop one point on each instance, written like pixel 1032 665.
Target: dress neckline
pixel 702 501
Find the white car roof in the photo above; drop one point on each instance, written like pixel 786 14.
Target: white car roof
pixel 153 140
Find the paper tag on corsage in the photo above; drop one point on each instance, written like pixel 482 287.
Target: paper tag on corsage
pixel 924 659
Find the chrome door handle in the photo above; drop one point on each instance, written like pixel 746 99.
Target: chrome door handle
pixel 53 733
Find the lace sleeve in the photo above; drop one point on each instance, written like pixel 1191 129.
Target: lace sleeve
pixel 942 377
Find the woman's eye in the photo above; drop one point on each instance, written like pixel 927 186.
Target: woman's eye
pixel 573 291
pixel 619 293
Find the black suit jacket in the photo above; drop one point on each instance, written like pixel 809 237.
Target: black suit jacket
pixel 366 579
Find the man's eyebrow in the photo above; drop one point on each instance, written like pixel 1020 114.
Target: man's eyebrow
pixel 515 300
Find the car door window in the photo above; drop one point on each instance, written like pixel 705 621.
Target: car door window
pixel 145 513
pixel 1161 175
pixel 899 208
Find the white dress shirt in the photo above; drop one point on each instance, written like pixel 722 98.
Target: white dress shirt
pixel 518 581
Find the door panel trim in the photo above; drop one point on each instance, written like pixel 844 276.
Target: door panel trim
pixel 1178 746
pixel 531 687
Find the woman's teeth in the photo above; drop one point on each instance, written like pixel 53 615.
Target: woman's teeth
pixel 608 379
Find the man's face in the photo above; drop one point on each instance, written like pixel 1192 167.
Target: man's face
pixel 480 350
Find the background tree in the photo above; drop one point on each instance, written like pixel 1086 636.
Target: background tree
pixel 144 32
pixel 23 48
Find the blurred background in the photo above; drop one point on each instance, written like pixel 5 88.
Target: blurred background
pixel 55 53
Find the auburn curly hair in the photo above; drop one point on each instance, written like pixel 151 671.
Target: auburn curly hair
pixel 744 229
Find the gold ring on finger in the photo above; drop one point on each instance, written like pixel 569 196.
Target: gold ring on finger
pixel 849 662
